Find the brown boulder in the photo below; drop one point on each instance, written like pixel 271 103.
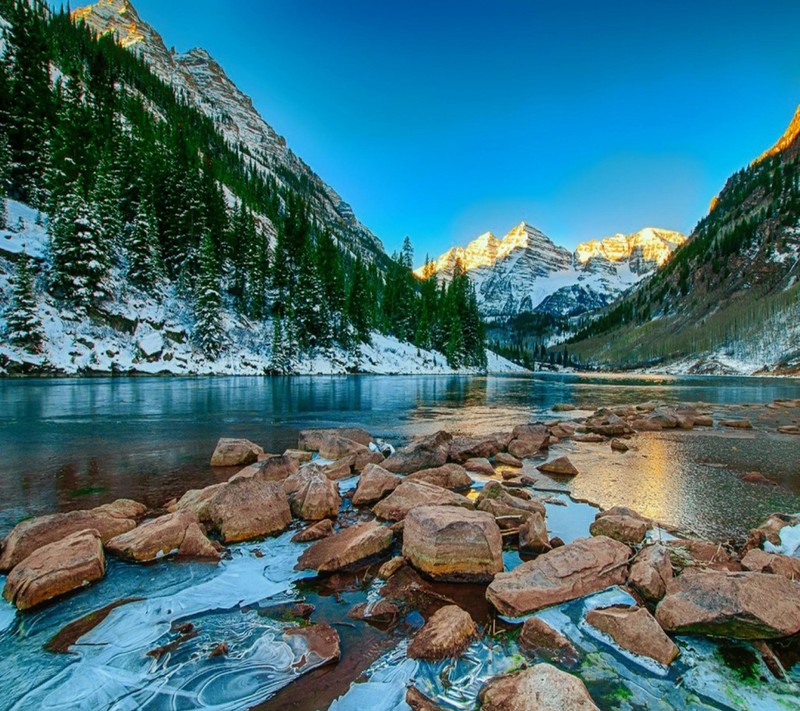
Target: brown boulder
pixel 724 604
pixel 533 536
pixel 737 424
pixel 312 496
pixel 56 569
pixel 507 460
pixel 197 500
pixel 301 455
pixel 447 633
pixel 419 702
pixel 321 529
pixel 177 532
pixel 559 467
pixel 688 552
pixel 122 508
pixel 479 466
pixel 28 536
pixel 249 508
pixel 390 567
pixel 625 529
pixel 651 572
pixel 235 452
pixel 311 440
pixel 374 484
pixel 274 468
pixel 448 476
pixel 347 547
pixel 763 562
pixel 411 494
pixel 451 543
pixel 508 509
pixel 321 642
pixel 340 469
pixel 541 687
pixel 527 440
pixel 592 437
pixel 380 612
pixel 566 573
pixel 425 453
pixel 634 629
pixel 336 447
pixel 464 448
pixel 619 446
pixel 537 637
pixel 623 511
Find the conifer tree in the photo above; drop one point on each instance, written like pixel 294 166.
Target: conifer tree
pixel 280 359
pixel 358 303
pixel 208 301
pixel 145 268
pixel 24 324
pixel 5 174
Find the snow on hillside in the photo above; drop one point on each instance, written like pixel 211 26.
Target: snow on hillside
pixel 152 333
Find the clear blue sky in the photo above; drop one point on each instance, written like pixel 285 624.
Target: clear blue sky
pixel 442 119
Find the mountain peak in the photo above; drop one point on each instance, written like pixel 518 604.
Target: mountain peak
pixel 788 137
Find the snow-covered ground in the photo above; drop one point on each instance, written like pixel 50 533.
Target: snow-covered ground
pixel 152 333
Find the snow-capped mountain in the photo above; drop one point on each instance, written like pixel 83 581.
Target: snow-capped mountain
pixel 202 81
pixel 526 271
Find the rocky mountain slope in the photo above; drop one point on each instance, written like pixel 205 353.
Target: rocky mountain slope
pixel 526 272
pixel 197 77
pixel 729 300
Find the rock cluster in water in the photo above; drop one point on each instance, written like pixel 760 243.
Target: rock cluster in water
pixel 416 495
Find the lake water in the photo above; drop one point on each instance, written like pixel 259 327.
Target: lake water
pixel 70 444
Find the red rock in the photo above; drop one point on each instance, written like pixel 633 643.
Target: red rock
pixel 619 446
pixel 480 466
pixel 300 455
pixel 235 452
pixel 451 543
pixel 161 536
pixel 425 453
pixel 527 440
pixel 419 702
pixel 533 536
pixel 724 604
pixel 625 529
pixel 336 447
pixel 541 687
pixel 448 476
pixel 559 467
pixel 634 629
pixel 390 567
pixel 651 572
pixel 347 547
pixel 763 562
pixel 411 494
pixel 537 637
pixel 321 529
pixel 122 509
pixel 321 642
pixel 737 424
pixel 465 448
pixel 381 612
pixel 374 484
pixel 56 569
pixel 592 437
pixel 312 496
pixel 566 573
pixel 757 478
pixel 507 460
pixel 446 634
pixel 197 500
pixel 249 508
pixel 312 439
pixel 273 468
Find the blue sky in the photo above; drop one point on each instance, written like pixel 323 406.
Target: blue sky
pixel 442 119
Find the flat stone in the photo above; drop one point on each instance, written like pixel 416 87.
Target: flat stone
pixel 744 605
pixel 479 466
pixel 541 687
pixel 302 456
pixel 446 634
pixel 249 508
pixel 448 476
pixel 737 424
pixel 347 547
pixel 235 452
pixel 577 569
pixel 410 494
pixel 56 569
pixel 453 544
pixel 507 460
pixel 375 483
pixel 636 630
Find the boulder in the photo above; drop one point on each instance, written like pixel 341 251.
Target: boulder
pixel 340 469
pixel 379 612
pixel 737 424
pixel 745 605
pixel 636 630
pixel 527 440
pixel 312 496
pixel 559 467
pixel 619 446
pixel 122 508
pixel 249 508
pixel 197 500
pixel 608 425
pixel 449 476
pixel 411 494
pixel 651 572
pixel 537 637
pixel 479 466
pixel 28 536
pixel 417 701
pixel 563 407
pixel 464 448
pixel 347 547
pixel 424 453
pixel 625 529
pixel 320 642
pixel 274 468
pixel 301 455
pixel 56 569
pixel 642 424
pixel 591 438
pixel 374 484
pixel 336 447
pixel 623 511
pixel 507 460
pixel 508 509
pixel 453 544
pixel 585 566
pixel 235 453
pixel 541 687
pixel 311 440
pixel 763 562
pixel 446 634
pixel 321 529
pixel 703 421
pixel 533 536
pixel 390 567
pixel 689 552
pixel 162 536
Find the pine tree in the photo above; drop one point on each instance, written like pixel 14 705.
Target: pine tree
pixel 24 324
pixel 280 359
pixel 208 301
pixel 358 303
pixel 5 174
pixel 145 267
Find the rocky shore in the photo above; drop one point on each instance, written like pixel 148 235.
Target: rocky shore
pixel 447 512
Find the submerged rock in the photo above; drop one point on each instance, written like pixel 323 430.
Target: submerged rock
pixel 321 642
pixel 419 702
pixel 249 508
pixel 451 543
pixel 28 536
pixel 374 484
pixel 411 494
pixel 447 633
pixel 235 452
pixel 737 424
pixel 56 569
pixel 625 529
pixel 745 605
pixel 651 572
pixel 448 476
pixel 425 453
pixel 559 467
pixel 177 532
pixel 537 637
pixel 566 573
pixel 347 547
pixel 542 687
pixel 634 629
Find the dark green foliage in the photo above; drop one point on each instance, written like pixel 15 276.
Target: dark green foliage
pixel 208 327
pixel 24 327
